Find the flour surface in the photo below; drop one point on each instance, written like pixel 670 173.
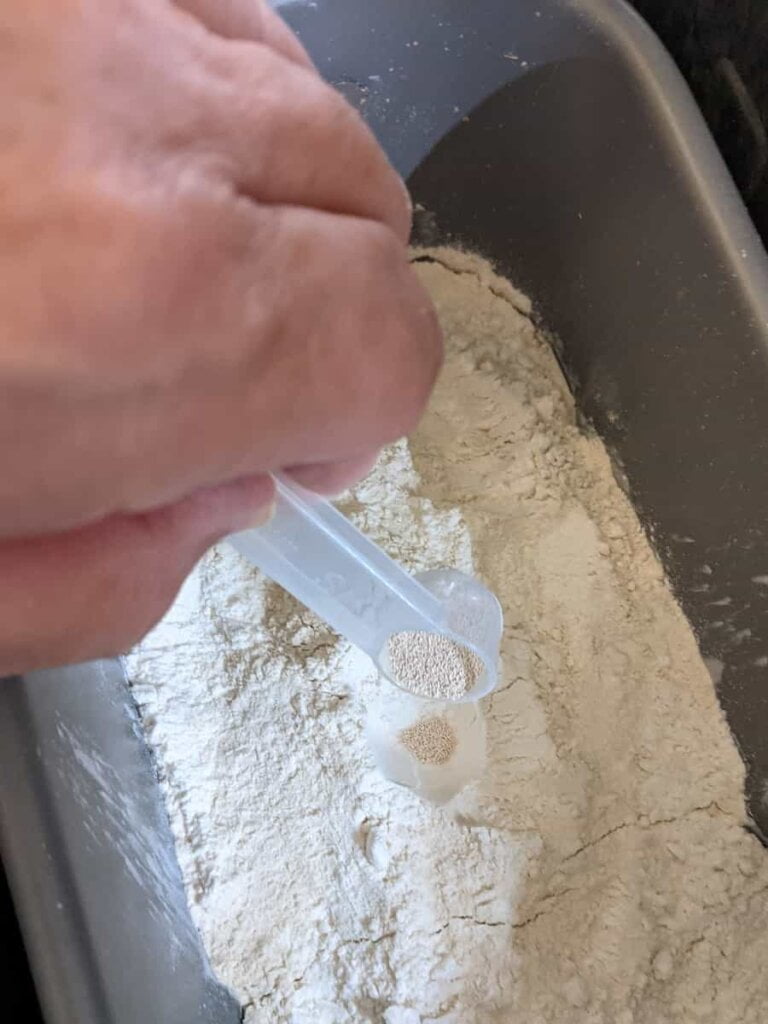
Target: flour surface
pixel 598 873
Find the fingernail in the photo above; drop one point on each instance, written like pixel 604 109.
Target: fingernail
pixel 262 515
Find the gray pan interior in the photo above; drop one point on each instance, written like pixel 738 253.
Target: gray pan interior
pixel 558 139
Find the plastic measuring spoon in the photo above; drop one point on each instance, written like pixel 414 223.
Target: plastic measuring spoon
pixel 315 553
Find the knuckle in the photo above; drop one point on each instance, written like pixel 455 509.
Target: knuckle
pixel 359 159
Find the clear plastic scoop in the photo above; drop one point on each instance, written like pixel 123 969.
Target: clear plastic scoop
pixel 315 553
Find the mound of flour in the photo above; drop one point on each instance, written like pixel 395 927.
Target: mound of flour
pixel 599 872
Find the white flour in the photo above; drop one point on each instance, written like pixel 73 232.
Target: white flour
pixel 598 874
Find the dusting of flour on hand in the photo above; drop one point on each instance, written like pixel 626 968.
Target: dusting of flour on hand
pixel 598 873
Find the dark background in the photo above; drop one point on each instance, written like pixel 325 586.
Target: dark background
pixel 721 46
pixel 718 45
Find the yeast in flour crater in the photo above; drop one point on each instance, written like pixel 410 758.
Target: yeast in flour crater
pixel 431 740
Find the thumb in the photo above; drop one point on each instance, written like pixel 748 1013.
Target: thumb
pixel 96 590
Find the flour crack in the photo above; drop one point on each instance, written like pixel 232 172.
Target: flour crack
pixel 711 807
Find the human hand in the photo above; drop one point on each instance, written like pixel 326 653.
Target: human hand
pixel 204 278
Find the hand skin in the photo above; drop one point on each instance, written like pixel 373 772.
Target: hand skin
pixel 203 278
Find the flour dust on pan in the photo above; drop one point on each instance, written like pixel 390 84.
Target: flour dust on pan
pixel 593 865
